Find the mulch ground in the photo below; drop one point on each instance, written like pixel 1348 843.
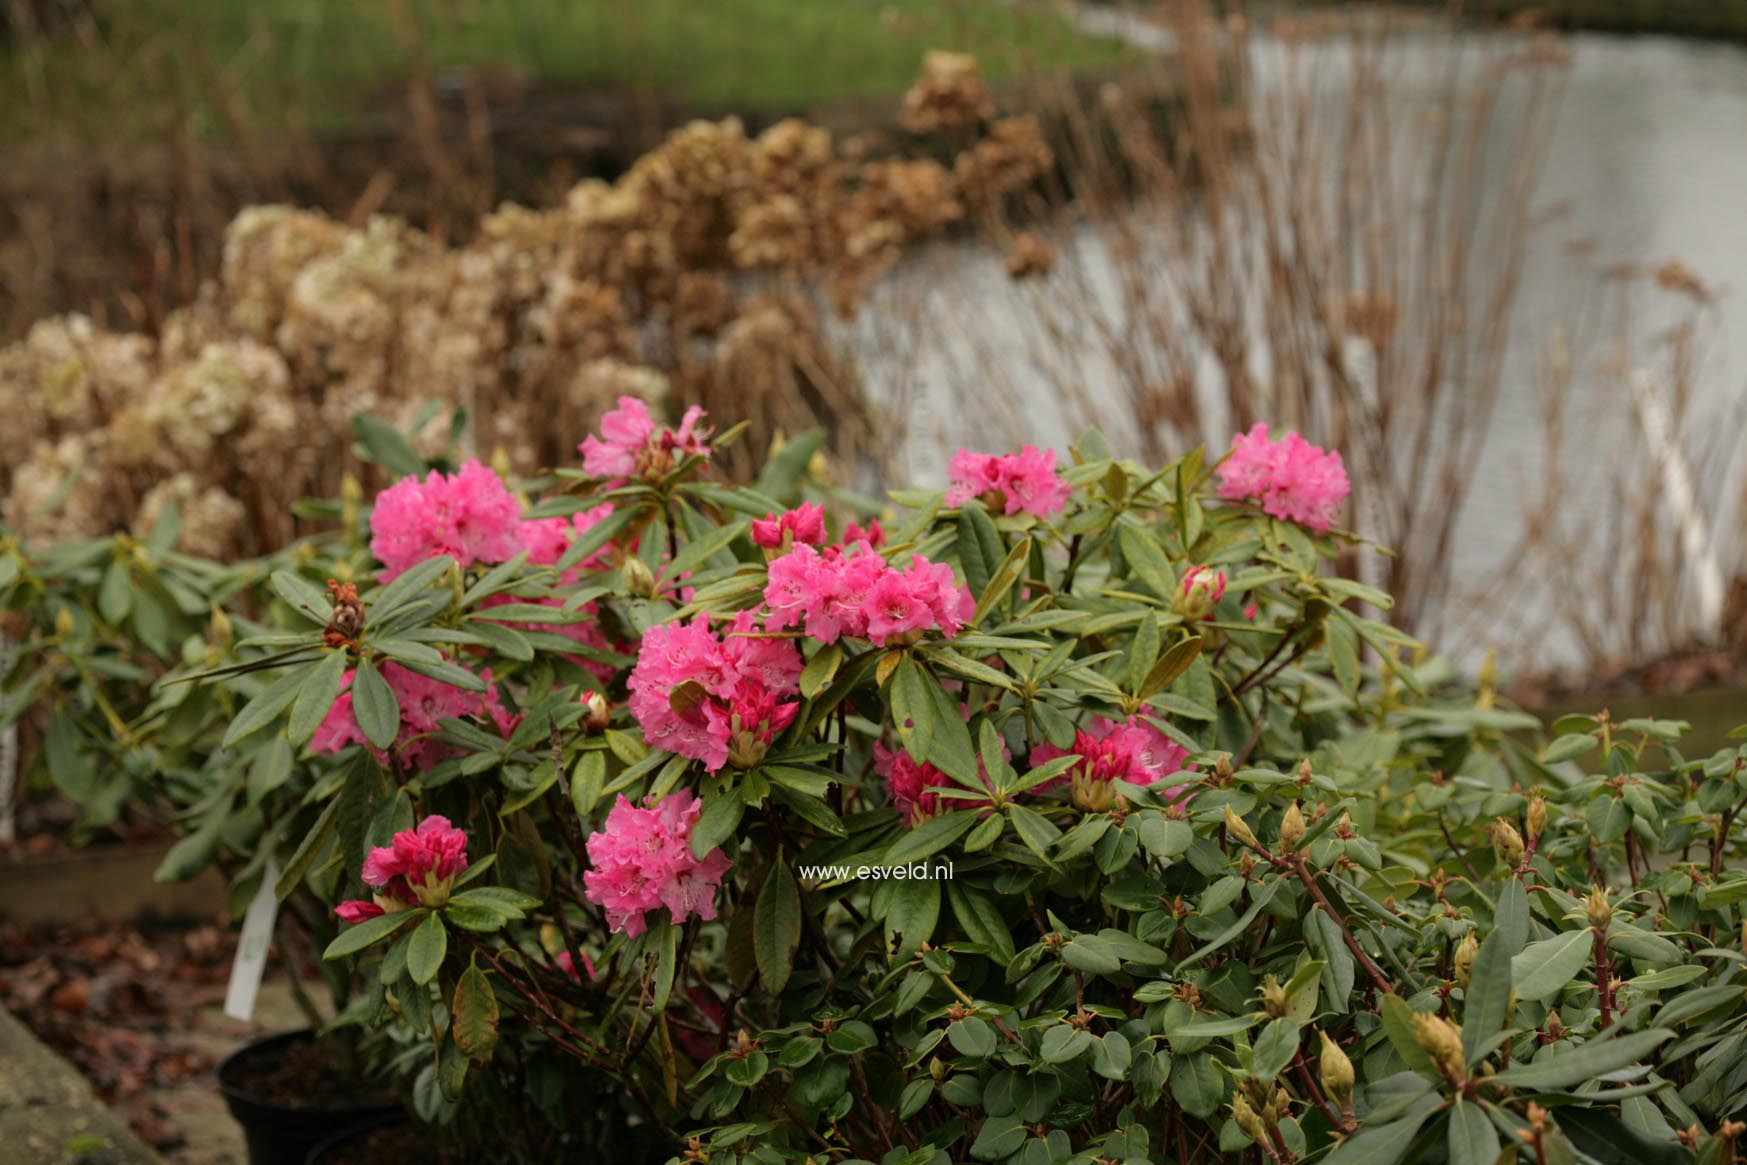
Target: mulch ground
pixel 119 1002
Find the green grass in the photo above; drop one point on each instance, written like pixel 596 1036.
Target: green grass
pixel 158 65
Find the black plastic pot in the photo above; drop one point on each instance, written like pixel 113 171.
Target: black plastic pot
pixel 322 1152
pixel 279 1134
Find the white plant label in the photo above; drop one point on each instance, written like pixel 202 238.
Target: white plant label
pixel 251 961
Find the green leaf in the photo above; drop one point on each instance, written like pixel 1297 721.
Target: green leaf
pixel 1473 1140
pixel 718 821
pixel 1008 573
pixel 302 596
pixel 474 1014
pixel 375 705
pixel 1544 968
pixel 382 443
pixel 777 927
pixel 1511 917
pixel 370 931
pixel 1384 1144
pixel 949 748
pixel 972 1036
pixel 317 695
pixel 1487 1006
pixel 930 837
pixel 816 676
pixel 424 955
pixel 912 911
pixel 307 850
pixel 980 549
pixel 1062 1043
pixel 1146 558
pixel 1398 1026
pixel 195 852
pixel 782 473
pixel 266 706
pixel 911 708
pixel 1552 1073
pixel 115 594
pixel 1274 1048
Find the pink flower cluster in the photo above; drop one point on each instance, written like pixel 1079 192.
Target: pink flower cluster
pixel 714 699
pixel 643 861
pixel 424 704
pixel 632 444
pixel 1131 750
pixel 1290 479
pixel 469 515
pixel 805 523
pixel 1026 480
pixel 416 868
pixel 856 593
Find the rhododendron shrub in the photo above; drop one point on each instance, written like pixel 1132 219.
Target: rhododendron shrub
pixel 1072 812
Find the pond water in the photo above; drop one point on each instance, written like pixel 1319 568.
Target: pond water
pixel 1646 162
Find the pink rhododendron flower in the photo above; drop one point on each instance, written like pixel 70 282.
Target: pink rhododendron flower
pixel 358 910
pixel 1131 750
pixel 417 867
pixel 1026 480
pixel 424 704
pixel 855 592
pixel 470 516
pixel 565 963
pixel 643 861
pixel 910 784
pixel 871 538
pixel 805 523
pixel 717 700
pixel 1292 479
pixel 632 445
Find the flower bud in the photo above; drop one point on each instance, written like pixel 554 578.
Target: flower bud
pixel 1247 1120
pixel 1282 1102
pixel 639 581
pixel 1599 910
pixel 1235 827
pixel 1199 593
pixel 597 713
pixel 1442 1041
pixel 1291 828
pixel 1336 1071
pixel 1537 816
pixel 1274 1000
pixel 1464 960
pixel 64 623
pixel 1507 843
pixel 937 1068
pixel 1090 794
pixel 222 634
